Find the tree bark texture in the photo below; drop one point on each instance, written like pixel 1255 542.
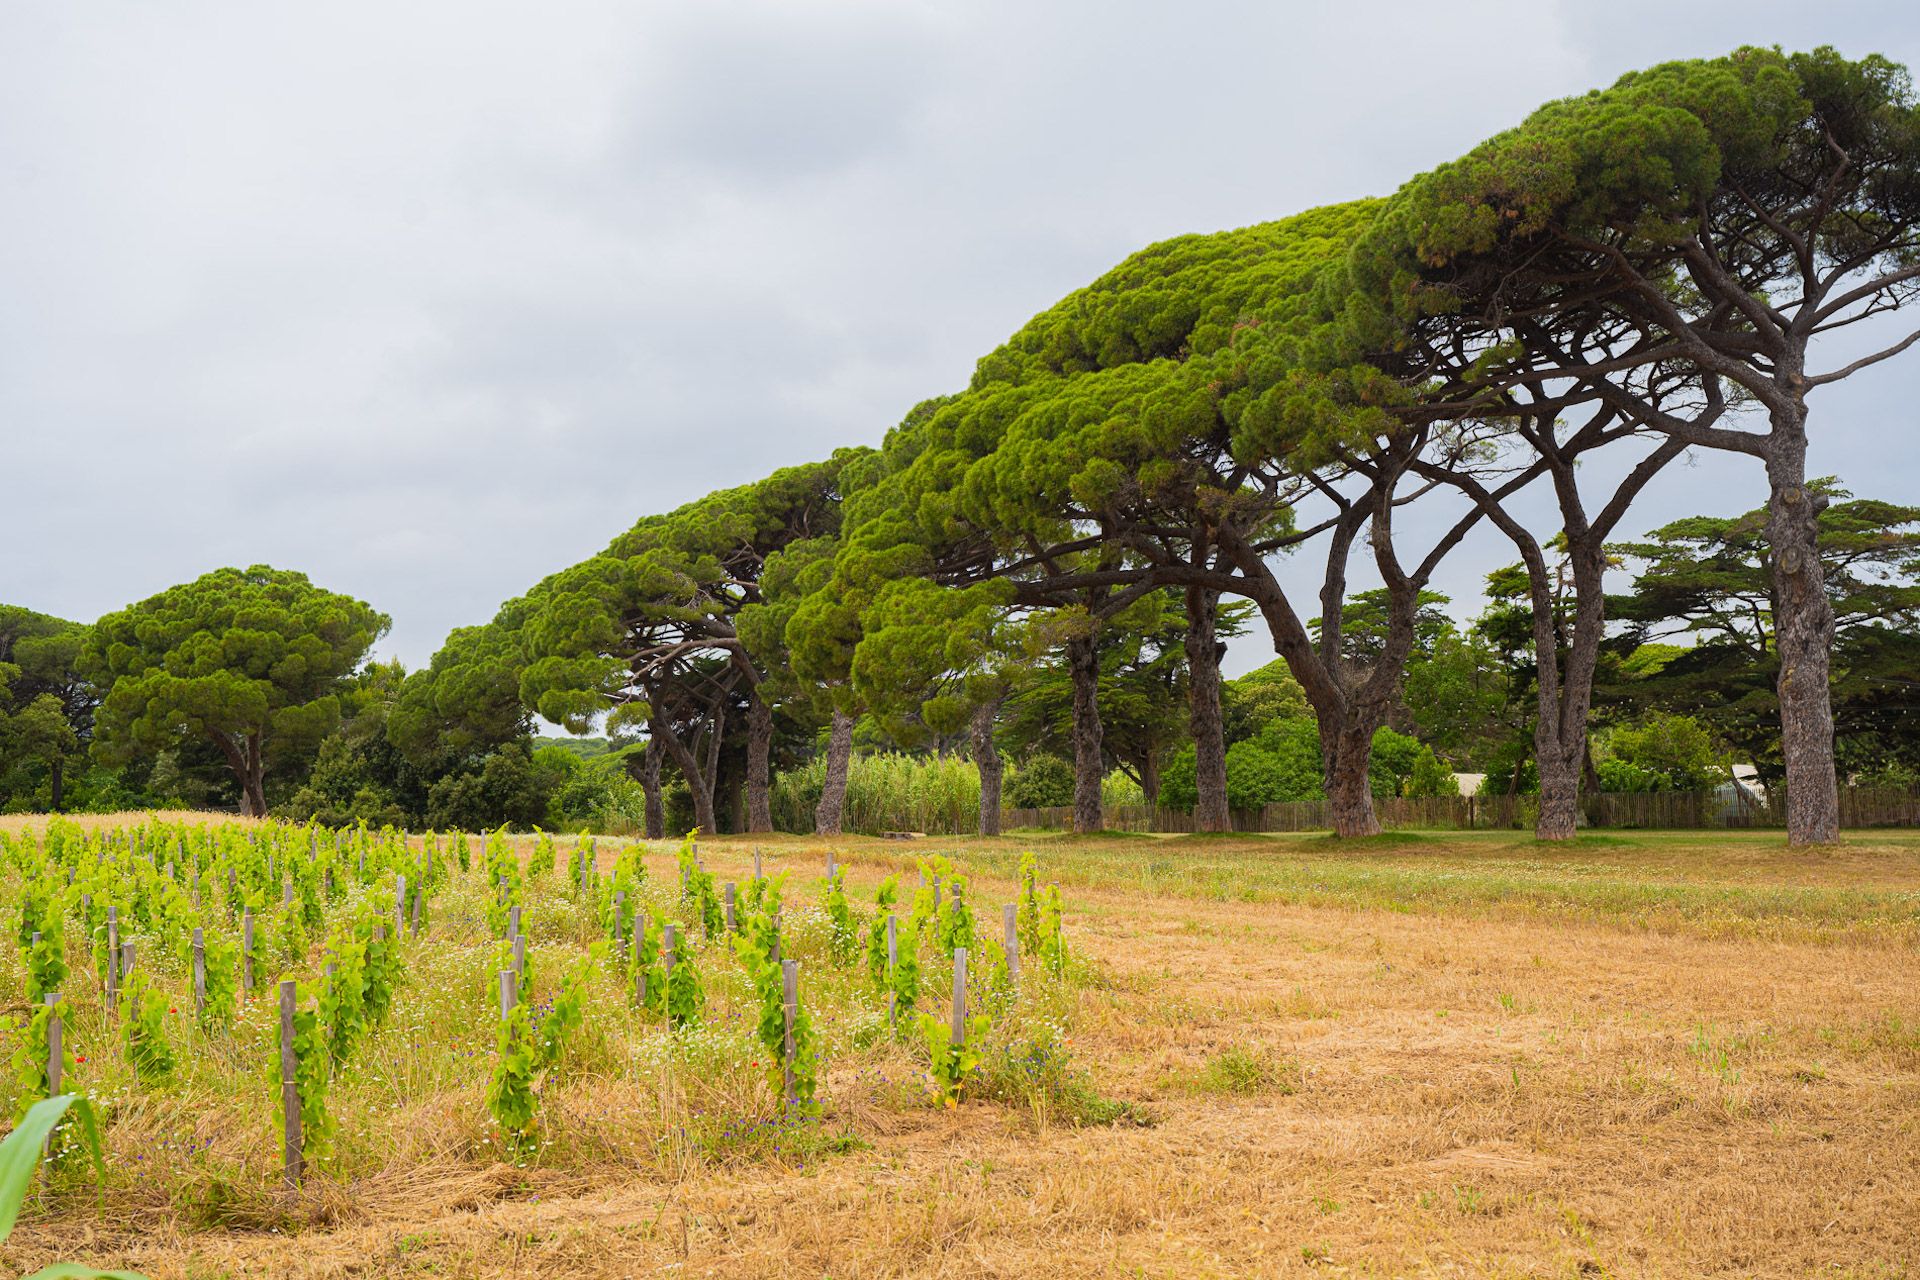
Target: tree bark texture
pixel 986 757
pixel 1803 634
pixel 1088 766
pixel 759 763
pixel 830 815
pixel 1210 811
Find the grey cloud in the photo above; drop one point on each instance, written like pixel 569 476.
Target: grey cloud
pixel 429 300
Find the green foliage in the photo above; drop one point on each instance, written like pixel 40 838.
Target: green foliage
pixel 32 1055
pixel 906 970
pixel 222 957
pixel 343 995
pixel 954 927
pixel 313 1066
pixel 886 791
pixel 1660 753
pixel 842 932
pixel 289 934
pixel 253 660
pixel 948 1064
pixel 685 999
pixel 646 959
pixel 697 889
pixel 884 897
pixel 755 947
pixel 1042 781
pixel 545 860
pixel 564 1015
pixel 1430 776
pixel 148 1051
pixel 45 961
pixel 1027 909
pixel 510 1096
pixel 1053 937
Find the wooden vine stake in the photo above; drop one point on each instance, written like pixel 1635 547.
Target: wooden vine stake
pixel 53 1056
pixel 789 1007
pixel 668 945
pixel 959 996
pixel 893 959
pixel 1010 915
pixel 246 948
pixel 619 914
pixel 399 906
pixel 730 897
pixel 520 957
pixel 199 973
pixel 290 1085
pixel 639 970
pixel 113 959
pixel 415 925
pixel 757 877
pixel 509 991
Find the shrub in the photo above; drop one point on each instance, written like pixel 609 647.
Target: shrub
pixel 1040 782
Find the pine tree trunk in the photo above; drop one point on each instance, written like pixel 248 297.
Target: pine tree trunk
pixel 1803 636
pixel 1349 785
pixel 256 793
pixel 759 763
pixel 1203 714
pixel 1559 793
pixel 59 780
pixel 830 815
pixel 1083 666
pixel 1150 779
pixel 986 757
pixel 656 811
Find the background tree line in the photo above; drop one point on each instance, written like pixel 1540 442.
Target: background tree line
pixel 1045 565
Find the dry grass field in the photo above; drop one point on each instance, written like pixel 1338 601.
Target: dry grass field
pixel 1648 1054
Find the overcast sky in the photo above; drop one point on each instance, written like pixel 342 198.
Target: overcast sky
pixel 430 299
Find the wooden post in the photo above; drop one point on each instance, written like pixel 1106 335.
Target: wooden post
pixel 669 943
pixel 286 893
pixel 290 1085
pixel 959 996
pixel 789 1007
pixel 112 958
pixel 53 1045
pixel 415 928
pixel 520 958
pixel 199 973
pixel 936 893
pixel 509 991
pixel 513 922
pixel 756 864
pixel 893 959
pixel 776 937
pixel 399 904
pixel 619 918
pixel 246 948
pixel 126 958
pixel 639 947
pixel 272 868
pixel 731 926
pixel 829 864
pixel 1010 914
